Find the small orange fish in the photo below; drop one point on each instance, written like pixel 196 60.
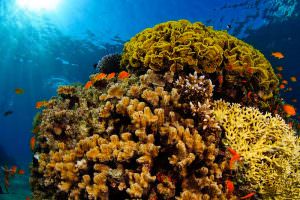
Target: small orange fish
pixel 21 172
pixel 279 68
pixel 278 55
pixel 276 110
pixel 161 177
pixel 36 130
pixel 123 75
pixel 248 195
pixel 220 79
pixel 111 75
pixel 229 67
pixel 293 78
pixel 27 198
pixel 88 84
pixel 100 76
pixel 40 104
pixel 32 143
pixel 249 94
pixel 13 169
pixel 232 151
pixel 288 89
pixel 229 186
pixel 284 82
pixel 291 124
pixel 232 161
pixel 235 157
pixel 289 109
pixel 250 70
pixel 279 75
pixel 294 100
pixel 19 91
pixel 281 86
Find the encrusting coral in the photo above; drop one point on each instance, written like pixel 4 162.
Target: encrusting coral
pixel 269 149
pixel 241 73
pixel 152 134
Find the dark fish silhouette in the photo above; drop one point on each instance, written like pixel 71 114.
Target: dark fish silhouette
pixel 6 113
pixel 95 65
pixel 1 191
pixel 118 39
pixel 229 26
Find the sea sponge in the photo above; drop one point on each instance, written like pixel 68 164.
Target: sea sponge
pixel 109 63
pixel 234 66
pixel 269 149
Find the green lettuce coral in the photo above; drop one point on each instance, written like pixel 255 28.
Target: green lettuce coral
pixel 176 46
pixel 269 149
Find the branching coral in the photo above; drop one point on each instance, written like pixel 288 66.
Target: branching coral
pixel 269 149
pixel 192 87
pixel 99 143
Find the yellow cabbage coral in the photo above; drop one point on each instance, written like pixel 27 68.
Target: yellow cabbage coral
pixel 181 45
pixel 269 149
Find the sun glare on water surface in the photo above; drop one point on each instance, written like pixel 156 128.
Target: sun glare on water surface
pixel 38 5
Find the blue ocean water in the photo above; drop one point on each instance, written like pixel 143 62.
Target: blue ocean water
pixel 45 46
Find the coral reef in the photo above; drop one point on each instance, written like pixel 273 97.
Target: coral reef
pixel 269 149
pixel 156 133
pixel 144 142
pixel 240 72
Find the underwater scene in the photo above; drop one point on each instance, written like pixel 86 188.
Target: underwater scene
pixel 154 100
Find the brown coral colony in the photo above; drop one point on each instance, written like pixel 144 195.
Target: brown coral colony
pixel 152 135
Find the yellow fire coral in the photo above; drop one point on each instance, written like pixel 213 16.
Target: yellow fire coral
pixel 269 149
